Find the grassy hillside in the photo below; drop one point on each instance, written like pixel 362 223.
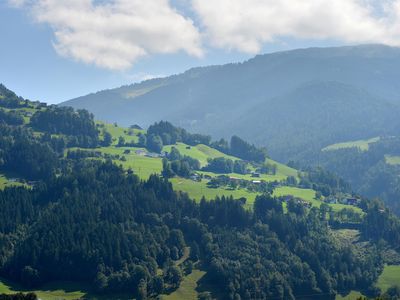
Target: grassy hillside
pixel 392 160
pixel 61 290
pixel 197 190
pixel 5 182
pixel 138 160
pixel 144 164
pixel 389 277
pixel 200 152
pixel 353 295
pixel 363 145
pixel 130 135
pixel 187 289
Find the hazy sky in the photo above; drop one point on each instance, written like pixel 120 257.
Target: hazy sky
pixel 54 50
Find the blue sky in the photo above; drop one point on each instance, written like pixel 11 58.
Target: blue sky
pixel 54 52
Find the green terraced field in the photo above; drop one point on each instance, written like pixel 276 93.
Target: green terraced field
pixel 361 144
pixel 389 277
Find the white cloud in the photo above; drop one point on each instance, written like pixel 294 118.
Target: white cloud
pixel 115 34
pixel 245 25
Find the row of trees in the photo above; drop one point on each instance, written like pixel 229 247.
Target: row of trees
pixel 225 165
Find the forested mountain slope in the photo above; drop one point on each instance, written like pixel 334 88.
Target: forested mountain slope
pixel 83 215
pixel 347 91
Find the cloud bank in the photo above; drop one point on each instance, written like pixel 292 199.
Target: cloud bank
pixel 114 34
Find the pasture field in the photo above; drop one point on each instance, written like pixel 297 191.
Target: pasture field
pixel 363 145
pixel 59 291
pixel 353 295
pixel 4 182
pixel 197 190
pixel 309 196
pixel 142 166
pixel 305 194
pixel 117 131
pixel 265 177
pixel 62 290
pixel 187 289
pixel 200 152
pixel 389 277
pixel 392 160
pixel 282 169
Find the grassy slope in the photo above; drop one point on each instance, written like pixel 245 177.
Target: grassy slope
pixel 65 290
pixel 187 289
pixel 141 165
pixel 117 131
pixel 353 295
pixel 200 152
pixel 389 277
pixel 197 190
pixel 361 144
pixel 309 196
pixel 282 169
pixel 59 291
pixel 4 182
pixel 145 166
pixel 392 160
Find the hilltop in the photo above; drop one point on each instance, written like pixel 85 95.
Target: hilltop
pixel 294 102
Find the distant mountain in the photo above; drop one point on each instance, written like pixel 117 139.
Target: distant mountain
pixel 293 102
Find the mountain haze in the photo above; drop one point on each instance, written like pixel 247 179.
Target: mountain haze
pixel 293 102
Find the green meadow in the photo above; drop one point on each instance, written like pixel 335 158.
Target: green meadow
pixel 188 288
pixel 62 290
pixel 197 190
pixel 200 152
pixel 59 291
pixel 130 135
pixel 392 160
pixel 142 166
pixel 353 295
pixel 389 277
pixel 282 170
pixel 309 196
pixel 363 145
pixel 4 182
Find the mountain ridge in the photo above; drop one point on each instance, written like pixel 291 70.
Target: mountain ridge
pixel 211 99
